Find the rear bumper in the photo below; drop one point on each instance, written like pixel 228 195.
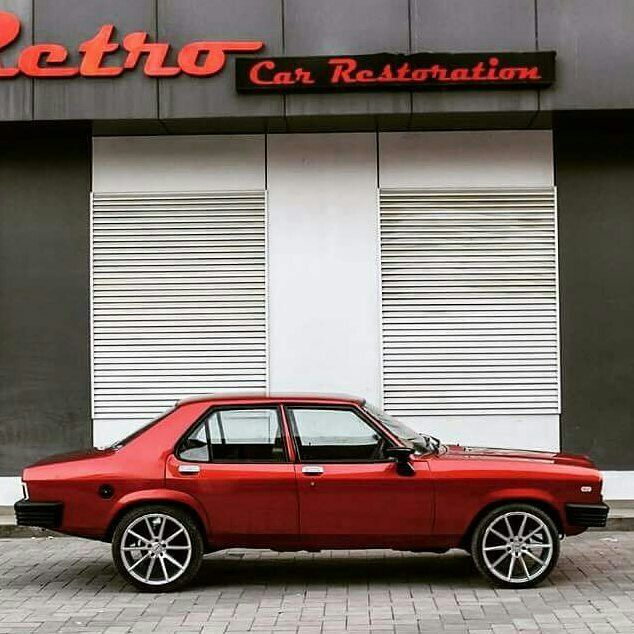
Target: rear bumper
pixel 588 515
pixel 42 514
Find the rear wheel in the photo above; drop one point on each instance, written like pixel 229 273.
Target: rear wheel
pixel 157 548
pixel 516 546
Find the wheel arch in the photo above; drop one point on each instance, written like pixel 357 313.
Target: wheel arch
pixel 544 505
pixel 165 498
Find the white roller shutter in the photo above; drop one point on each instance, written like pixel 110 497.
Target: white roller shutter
pixel 178 299
pixel 469 301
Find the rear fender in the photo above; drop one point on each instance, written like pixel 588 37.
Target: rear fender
pixel 155 496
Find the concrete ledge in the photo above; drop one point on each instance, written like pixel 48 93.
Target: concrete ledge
pixel 12 531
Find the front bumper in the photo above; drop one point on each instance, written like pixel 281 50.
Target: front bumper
pixel 588 515
pixel 42 514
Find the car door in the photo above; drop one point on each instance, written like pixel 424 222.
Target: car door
pixel 235 462
pixel 350 494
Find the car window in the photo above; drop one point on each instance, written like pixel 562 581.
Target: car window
pixel 195 447
pixel 236 435
pixel 334 435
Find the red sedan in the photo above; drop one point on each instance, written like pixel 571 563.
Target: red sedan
pixel 309 473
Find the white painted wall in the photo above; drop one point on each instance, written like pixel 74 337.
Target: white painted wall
pixel 508 158
pixel 10 490
pixel 323 264
pixel 474 159
pixel 524 431
pixel 618 485
pixel 178 163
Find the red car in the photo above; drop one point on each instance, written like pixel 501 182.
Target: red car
pixel 309 473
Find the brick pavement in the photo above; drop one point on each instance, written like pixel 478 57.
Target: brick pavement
pixel 70 585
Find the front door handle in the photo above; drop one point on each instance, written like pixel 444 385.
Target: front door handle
pixel 312 470
pixel 188 469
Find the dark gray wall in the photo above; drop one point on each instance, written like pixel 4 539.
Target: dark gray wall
pixel 16 95
pixel 44 295
pixel 69 22
pixel 592 39
pixel 595 182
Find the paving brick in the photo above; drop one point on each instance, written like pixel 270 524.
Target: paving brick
pixel 69 585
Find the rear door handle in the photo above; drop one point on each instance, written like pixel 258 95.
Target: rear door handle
pixel 312 470
pixel 188 469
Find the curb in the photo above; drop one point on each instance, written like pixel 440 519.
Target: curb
pixel 11 531
pixel 618 524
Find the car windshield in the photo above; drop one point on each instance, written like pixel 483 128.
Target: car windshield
pixel 422 443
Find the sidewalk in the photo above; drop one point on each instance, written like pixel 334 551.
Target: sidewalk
pixel 70 586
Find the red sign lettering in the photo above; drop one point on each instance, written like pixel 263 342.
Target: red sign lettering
pixel 9 31
pixel 259 77
pixel 200 59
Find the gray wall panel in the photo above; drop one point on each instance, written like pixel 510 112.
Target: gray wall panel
pixel 44 294
pixel 182 21
pixel 594 175
pixel 70 22
pixel 16 95
pixel 465 25
pixel 595 49
pixel 346 26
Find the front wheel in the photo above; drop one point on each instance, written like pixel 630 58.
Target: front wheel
pixel 157 548
pixel 515 546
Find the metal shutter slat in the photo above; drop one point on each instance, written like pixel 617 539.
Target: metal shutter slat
pixel 469 301
pixel 178 299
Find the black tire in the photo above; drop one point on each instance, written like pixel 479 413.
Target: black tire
pixel 185 548
pixel 542 547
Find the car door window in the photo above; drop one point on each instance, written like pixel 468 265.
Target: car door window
pixel 196 446
pixel 236 435
pixel 334 435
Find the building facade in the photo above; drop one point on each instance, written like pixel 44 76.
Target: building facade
pixel 456 250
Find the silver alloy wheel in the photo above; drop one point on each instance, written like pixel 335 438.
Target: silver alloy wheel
pixel 517 547
pixel 156 549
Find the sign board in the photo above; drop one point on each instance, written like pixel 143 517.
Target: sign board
pixel 387 71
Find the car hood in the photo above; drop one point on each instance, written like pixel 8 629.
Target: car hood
pixel 73 456
pixel 489 453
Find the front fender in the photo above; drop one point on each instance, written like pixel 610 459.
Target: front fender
pixel 539 497
pixel 457 511
pixel 156 496
pixel 525 494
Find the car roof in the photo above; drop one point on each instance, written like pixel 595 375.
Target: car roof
pixel 245 399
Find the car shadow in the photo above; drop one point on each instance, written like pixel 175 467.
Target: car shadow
pixel 255 568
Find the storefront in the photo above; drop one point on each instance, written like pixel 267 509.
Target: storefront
pixel 313 218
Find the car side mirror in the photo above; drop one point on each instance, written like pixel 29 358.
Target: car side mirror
pixel 401 456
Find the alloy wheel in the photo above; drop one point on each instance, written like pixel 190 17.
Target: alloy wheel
pixel 156 549
pixel 517 547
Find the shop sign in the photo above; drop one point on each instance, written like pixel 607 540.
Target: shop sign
pixel 205 58
pixel 200 59
pixel 385 71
